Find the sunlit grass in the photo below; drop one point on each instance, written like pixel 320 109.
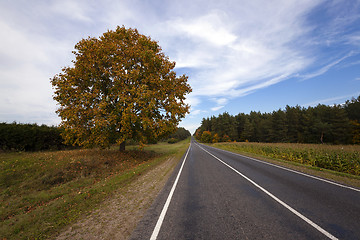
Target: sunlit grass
pixel 42 192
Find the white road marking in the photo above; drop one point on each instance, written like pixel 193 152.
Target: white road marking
pixel 290 170
pixel 167 203
pixel 317 227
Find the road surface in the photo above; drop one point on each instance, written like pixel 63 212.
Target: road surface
pixel 215 194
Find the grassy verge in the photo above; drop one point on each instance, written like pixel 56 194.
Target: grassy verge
pixel 340 163
pixel 43 192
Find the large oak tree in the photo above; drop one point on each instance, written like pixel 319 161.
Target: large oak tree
pixel 121 86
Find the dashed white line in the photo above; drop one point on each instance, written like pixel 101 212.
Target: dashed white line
pixel 317 227
pixel 167 203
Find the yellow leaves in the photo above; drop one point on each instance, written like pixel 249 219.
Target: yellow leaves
pixel 121 86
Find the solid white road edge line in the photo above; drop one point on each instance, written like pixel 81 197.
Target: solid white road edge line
pixel 317 227
pixel 290 170
pixel 167 203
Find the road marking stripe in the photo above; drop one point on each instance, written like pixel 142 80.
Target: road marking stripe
pixel 317 227
pixel 290 170
pixel 167 203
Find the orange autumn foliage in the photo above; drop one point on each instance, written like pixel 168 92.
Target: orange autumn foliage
pixel 121 87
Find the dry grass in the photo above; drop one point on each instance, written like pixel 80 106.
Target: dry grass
pixel 45 191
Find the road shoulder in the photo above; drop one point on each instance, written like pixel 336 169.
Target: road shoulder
pixel 117 217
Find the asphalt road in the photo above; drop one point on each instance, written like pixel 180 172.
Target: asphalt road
pixel 214 194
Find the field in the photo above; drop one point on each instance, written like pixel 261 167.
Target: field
pixel 341 160
pixel 43 192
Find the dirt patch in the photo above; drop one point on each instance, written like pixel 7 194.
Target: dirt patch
pixel 117 217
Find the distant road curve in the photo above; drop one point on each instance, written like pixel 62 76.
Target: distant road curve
pixel 215 194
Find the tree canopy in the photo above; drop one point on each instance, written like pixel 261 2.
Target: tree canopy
pixel 121 86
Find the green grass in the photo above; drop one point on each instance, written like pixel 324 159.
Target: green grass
pixel 40 193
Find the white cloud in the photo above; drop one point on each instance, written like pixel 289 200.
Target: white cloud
pixel 214 109
pixel 221 101
pixel 28 59
pixel 209 28
pixel 195 112
pixel 17 47
pixel 192 100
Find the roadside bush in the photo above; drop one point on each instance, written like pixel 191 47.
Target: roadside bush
pixel 206 137
pixel 173 140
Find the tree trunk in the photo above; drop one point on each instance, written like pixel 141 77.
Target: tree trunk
pixel 122 146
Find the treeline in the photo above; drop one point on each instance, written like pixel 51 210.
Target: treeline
pixel 337 124
pixel 32 137
pixel 180 134
pixel 29 137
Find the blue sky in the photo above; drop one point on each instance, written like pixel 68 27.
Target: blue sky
pixel 240 56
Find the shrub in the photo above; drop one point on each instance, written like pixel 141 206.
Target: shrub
pixel 173 140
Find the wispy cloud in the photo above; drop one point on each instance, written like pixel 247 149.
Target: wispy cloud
pixel 331 100
pixel 196 112
pixel 354 39
pixel 326 68
pixel 232 56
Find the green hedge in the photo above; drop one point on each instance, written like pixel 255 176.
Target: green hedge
pixel 29 137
